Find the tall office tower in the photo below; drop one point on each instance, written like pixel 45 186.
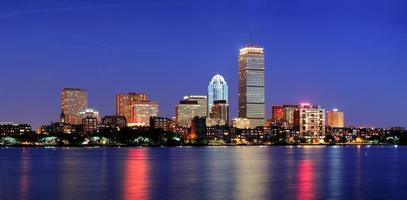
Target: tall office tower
pixel 336 119
pixel 125 101
pixel 73 101
pixel 141 113
pixel 277 113
pixel 310 120
pixel 251 85
pixel 202 100
pixel 217 90
pixel 188 109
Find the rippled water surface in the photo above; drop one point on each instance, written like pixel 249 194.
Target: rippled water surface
pixel 204 173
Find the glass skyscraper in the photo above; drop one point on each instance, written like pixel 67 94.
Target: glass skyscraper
pixel 251 85
pixel 217 90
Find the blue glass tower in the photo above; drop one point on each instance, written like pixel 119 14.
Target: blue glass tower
pixel 217 90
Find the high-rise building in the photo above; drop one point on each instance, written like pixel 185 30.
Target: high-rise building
pixel 202 101
pixel 251 85
pixel 310 120
pixel 125 101
pixel 141 113
pixel 190 108
pixel 217 90
pixel 336 119
pixel 73 101
pixel 220 110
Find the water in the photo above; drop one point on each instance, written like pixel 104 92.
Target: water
pixel 204 173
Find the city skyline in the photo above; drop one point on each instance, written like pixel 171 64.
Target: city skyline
pixel 357 59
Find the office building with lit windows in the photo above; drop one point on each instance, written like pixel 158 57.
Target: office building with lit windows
pixel 251 85
pixel 189 108
pixel 202 101
pixel 141 113
pixel 73 100
pixel 124 102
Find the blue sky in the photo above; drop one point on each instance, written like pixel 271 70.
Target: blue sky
pixel 345 54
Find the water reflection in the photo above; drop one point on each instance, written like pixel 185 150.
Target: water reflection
pixel 204 173
pixel 305 184
pixel 335 172
pixel 136 179
pixel 251 173
pixel 25 176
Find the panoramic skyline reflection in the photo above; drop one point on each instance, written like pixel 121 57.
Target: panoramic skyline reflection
pixel 248 172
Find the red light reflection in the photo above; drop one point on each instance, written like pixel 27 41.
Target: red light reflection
pixel 136 175
pixel 305 183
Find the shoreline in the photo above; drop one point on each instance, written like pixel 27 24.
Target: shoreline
pixel 160 146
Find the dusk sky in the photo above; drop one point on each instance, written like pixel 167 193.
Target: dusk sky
pixel 346 54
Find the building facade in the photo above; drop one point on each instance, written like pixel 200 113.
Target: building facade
pixel 11 128
pixel 251 85
pixel 124 103
pixel 217 90
pixel 241 123
pixel 114 121
pixel 186 110
pixel 220 112
pixel 336 119
pixel 89 113
pixel 277 113
pixel 73 100
pixel 310 120
pixel 141 113
pixel 202 101
pixel 162 123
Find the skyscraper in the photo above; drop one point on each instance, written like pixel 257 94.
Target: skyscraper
pixel 251 85
pixel 217 90
pixel 125 101
pixel 73 101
